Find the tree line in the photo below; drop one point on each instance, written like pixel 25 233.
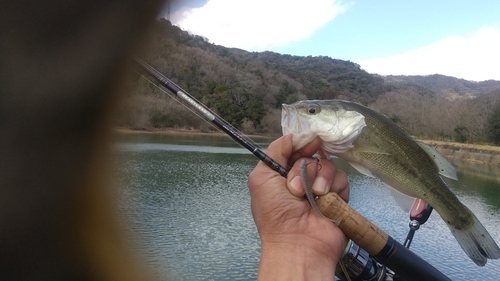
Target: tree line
pixel 248 88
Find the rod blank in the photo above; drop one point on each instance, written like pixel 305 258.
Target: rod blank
pixel 212 117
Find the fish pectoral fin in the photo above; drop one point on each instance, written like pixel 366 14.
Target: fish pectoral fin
pixel 361 169
pixel 446 169
pixel 370 149
pixel 404 201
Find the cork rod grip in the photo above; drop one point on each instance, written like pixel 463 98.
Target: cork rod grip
pixel 356 227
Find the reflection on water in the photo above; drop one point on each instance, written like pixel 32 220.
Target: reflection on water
pixel 187 199
pixel 479 179
pixel 191 210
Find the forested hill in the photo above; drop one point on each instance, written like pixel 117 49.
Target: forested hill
pixel 248 88
pixel 199 62
pixel 446 85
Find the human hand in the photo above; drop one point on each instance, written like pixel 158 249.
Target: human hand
pixel 297 243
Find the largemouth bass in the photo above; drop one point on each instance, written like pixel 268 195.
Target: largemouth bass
pixel 376 146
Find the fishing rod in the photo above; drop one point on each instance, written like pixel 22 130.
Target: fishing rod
pixel 368 239
pixel 212 117
pixel 406 264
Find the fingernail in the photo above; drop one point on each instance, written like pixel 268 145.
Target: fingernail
pixel 319 186
pixel 296 184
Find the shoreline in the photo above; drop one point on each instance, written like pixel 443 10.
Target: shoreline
pixel 171 131
pixel 454 152
pixel 470 153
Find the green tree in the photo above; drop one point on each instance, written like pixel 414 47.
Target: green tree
pixel 255 109
pixel 234 105
pixel 459 134
pixel 285 93
pixel 494 125
pixel 221 99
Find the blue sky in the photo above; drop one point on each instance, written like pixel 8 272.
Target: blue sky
pixel 454 38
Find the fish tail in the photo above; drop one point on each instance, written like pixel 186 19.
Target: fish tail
pixel 476 242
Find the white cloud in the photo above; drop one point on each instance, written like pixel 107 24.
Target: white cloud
pixel 257 25
pixel 475 57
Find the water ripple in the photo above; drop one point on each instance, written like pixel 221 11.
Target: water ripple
pixel 191 208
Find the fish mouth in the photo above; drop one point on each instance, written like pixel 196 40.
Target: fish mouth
pixel 288 113
pixel 296 125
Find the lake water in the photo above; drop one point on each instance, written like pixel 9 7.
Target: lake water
pixel 187 200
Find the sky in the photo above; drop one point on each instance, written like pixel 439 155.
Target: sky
pixel 399 37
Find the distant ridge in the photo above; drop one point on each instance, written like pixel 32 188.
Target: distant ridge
pixel 248 88
pixel 442 84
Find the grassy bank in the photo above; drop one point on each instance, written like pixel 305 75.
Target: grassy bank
pixel 183 132
pixel 473 153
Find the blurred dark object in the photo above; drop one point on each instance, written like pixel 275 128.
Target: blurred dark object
pixel 60 62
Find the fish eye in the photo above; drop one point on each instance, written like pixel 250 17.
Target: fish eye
pixel 313 110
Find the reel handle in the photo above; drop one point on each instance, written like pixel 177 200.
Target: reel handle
pixel 354 225
pixel 376 242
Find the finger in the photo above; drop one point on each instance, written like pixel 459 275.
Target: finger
pixel 296 184
pixel 322 154
pixel 281 149
pixel 324 177
pixel 320 175
pixel 307 151
pixel 341 185
pixel 278 150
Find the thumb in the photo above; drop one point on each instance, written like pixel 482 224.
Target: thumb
pixel 280 150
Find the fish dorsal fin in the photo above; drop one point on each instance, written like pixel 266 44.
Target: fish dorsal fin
pixel 404 201
pixel 361 169
pixel 444 166
pixel 370 149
